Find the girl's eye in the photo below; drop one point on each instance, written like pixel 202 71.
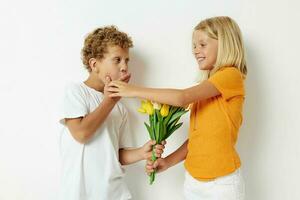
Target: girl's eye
pixel 202 45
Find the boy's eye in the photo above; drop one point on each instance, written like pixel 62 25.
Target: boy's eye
pixel 117 60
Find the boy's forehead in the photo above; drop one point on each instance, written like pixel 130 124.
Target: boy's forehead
pixel 115 49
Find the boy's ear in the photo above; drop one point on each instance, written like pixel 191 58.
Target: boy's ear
pixel 92 64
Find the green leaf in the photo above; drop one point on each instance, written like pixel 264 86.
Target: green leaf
pixel 177 115
pixel 159 117
pixel 174 128
pixel 173 109
pixel 157 131
pixel 149 131
pixel 170 125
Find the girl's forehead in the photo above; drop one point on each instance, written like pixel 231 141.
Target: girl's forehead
pixel 199 35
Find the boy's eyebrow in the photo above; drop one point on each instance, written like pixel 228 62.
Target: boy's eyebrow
pixel 114 57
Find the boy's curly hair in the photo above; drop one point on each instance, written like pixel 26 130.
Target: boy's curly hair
pixel 96 43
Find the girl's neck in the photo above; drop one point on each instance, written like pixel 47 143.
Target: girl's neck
pixel 95 83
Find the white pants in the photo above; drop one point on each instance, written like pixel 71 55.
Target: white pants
pixel 229 187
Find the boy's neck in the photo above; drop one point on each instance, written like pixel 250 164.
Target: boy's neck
pixel 95 83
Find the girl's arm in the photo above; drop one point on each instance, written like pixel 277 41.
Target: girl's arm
pixel 131 155
pixel 175 97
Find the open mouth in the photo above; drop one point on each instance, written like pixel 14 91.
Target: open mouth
pixel 200 59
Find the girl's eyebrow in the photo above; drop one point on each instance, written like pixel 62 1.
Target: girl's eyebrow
pixel 201 40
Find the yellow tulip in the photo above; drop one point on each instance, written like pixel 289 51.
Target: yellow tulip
pixel 156 105
pixel 146 107
pixel 142 110
pixel 149 108
pixel 164 111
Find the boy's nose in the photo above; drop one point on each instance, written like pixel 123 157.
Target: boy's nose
pixel 124 70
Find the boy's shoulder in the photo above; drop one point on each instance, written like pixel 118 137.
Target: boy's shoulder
pixel 74 88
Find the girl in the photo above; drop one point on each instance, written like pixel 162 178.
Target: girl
pixel 211 161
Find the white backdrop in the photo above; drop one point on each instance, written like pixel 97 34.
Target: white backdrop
pixel 40 44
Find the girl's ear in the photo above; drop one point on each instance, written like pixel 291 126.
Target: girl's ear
pixel 92 64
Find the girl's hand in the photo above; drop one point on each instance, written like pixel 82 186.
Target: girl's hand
pixel 159 165
pixel 146 150
pixel 121 89
pixel 108 80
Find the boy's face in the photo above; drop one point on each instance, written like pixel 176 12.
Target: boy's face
pixel 114 63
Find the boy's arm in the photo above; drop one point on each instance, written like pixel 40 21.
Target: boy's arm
pixel 131 155
pixel 83 128
pixel 175 97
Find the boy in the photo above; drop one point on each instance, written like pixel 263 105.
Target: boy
pixel 94 142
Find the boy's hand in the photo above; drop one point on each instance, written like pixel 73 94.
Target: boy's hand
pixel 159 165
pixel 146 150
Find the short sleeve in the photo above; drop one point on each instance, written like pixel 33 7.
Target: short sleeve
pixel 125 137
pixel 229 81
pixel 73 103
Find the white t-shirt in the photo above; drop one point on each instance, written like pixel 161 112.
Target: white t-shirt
pixel 92 171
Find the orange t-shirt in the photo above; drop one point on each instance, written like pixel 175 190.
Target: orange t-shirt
pixel 214 126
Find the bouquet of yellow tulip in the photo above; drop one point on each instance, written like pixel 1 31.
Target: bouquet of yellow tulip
pixel 163 121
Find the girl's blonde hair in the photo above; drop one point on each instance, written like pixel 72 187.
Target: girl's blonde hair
pixel 231 52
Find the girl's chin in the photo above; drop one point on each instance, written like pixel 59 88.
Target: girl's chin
pixel 201 67
pixel 204 67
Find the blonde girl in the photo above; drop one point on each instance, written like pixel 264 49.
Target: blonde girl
pixel 211 161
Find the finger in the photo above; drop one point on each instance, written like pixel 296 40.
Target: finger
pixel 159 146
pixel 155 165
pixel 149 162
pixel 164 142
pixel 113 89
pixel 149 167
pixel 152 142
pixel 113 84
pixel 107 80
pixel 158 151
pixel 115 95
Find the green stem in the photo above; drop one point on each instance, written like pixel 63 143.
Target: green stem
pixel 152 175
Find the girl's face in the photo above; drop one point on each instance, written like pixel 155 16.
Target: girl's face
pixel 205 50
pixel 114 64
